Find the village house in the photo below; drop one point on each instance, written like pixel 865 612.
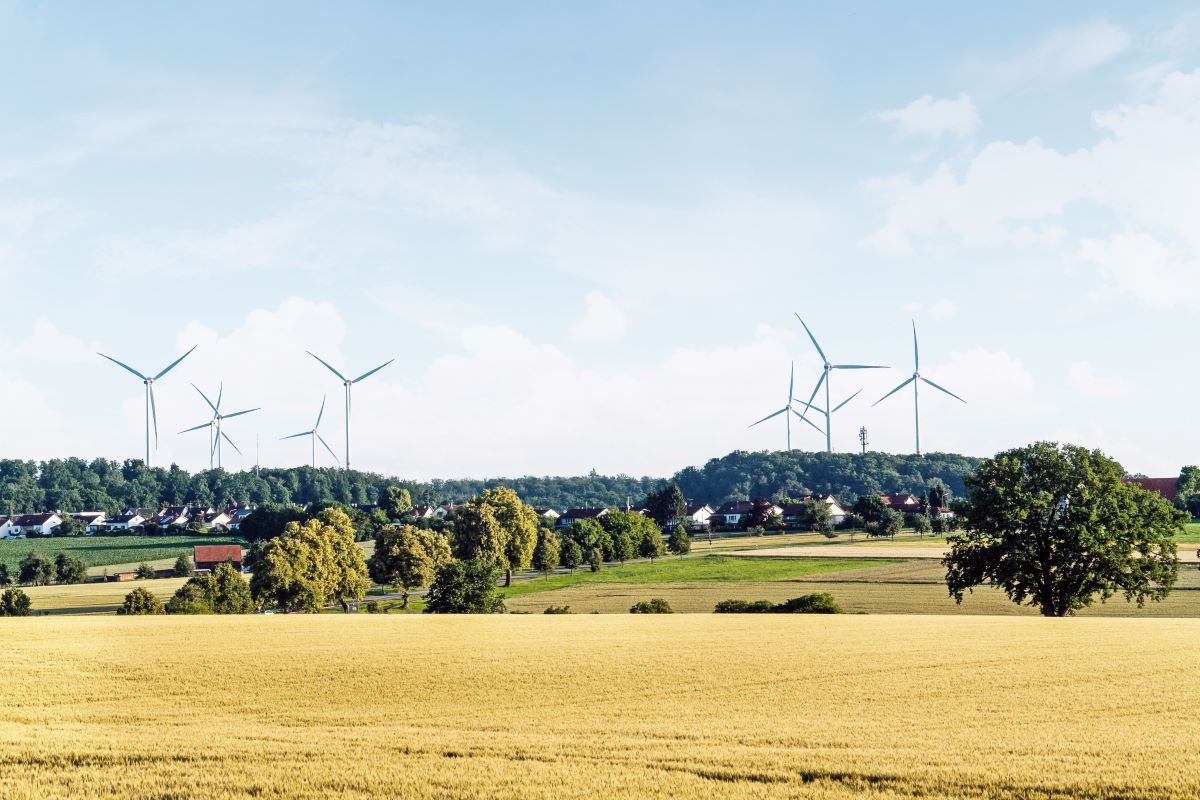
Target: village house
pixel 171 516
pixel 794 514
pixel 237 516
pixel 734 513
pixel 216 520
pixel 123 522
pixel 208 557
pixel 6 527
pixel 699 514
pixel 444 510
pixel 421 511
pixel 93 521
pixel 548 513
pixel 576 514
pixel 904 503
pixel 35 524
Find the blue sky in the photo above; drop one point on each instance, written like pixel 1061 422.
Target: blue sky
pixel 583 231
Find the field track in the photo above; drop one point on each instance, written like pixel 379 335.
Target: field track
pixel 1187 553
pixel 537 707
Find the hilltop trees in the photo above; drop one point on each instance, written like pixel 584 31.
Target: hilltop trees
pixel 311 564
pixel 1056 526
pixel 408 557
pixel 497 528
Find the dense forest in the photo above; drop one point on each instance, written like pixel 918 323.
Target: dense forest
pixel 76 484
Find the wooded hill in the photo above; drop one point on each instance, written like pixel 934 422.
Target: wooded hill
pixel 76 484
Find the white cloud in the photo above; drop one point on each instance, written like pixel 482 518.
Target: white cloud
pixel 1064 54
pixel 602 320
pixel 927 116
pixel 46 345
pixel 1084 379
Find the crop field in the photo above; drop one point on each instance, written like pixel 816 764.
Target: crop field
pixel 598 706
pixel 94 598
pixel 101 551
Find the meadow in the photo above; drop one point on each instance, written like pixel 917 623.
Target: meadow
pixel 615 706
pixel 102 551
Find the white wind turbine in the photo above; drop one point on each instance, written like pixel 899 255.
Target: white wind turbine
pixel 916 380
pixel 315 437
pixel 214 425
pixel 788 407
pixel 151 410
pixel 347 383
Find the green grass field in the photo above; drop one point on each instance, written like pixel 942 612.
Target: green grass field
pixel 100 551
pixel 688 570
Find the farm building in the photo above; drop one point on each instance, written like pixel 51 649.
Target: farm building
pixel 36 524
pixel 209 556
pixel 123 522
pixel 1164 487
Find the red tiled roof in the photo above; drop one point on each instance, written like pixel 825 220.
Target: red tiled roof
pixel 216 553
pixel 1165 487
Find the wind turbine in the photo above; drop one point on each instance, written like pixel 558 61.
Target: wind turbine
pixel 788 407
pixel 347 383
pixel 916 380
pixel 151 411
pixel 214 425
pixel 315 436
pixel 825 379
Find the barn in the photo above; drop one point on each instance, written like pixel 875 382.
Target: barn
pixel 209 556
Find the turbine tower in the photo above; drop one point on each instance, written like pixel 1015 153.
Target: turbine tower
pixel 151 410
pixel 215 433
pixel 788 407
pixel 916 380
pixel 315 437
pixel 825 379
pixel 347 383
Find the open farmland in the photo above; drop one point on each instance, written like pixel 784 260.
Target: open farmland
pixel 527 707
pixel 101 551
pixel 94 598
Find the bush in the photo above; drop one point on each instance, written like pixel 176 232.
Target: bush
pixel 14 603
pixel 655 605
pixel 744 607
pixel 375 607
pixel 223 591
pixel 465 587
pixel 184 568
pixel 557 610
pixel 144 571
pixel 141 601
pixel 822 603
pixel 852 522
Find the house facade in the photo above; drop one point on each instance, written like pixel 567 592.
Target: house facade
pixel 123 522
pixel 93 521
pixel 576 514
pixel 35 524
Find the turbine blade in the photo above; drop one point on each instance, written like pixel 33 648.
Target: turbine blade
pixel 225 436
pixel 320 413
pixel 124 366
pixel 326 363
pixel 196 428
pixel 943 389
pixel 816 389
pixel 173 364
pixel 371 372
pixel 810 406
pixel 154 415
pixel 813 338
pixel 202 394
pixel 327 447
pixel 220 394
pixel 916 353
pixel 769 416
pixel 792 381
pixel 893 391
pixel 812 424
pixel 847 400
pixel 858 366
pixel 238 413
pixel 296 435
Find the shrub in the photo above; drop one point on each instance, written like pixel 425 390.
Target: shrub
pixel 557 610
pixel 655 605
pixel 376 607
pixel 223 591
pixel 144 571
pixel 820 603
pixel 141 601
pixel 465 587
pixel 36 570
pixel 852 522
pixel 14 603
pixel 744 607
pixel 69 568
pixel 184 568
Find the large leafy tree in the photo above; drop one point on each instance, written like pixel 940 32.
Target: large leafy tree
pixel 666 504
pixel 465 587
pixel 408 557
pixel 396 502
pixel 498 528
pixel 312 564
pixel 1055 526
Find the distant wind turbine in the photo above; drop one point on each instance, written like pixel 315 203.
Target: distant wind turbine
pixel 315 437
pixel 788 407
pixel 347 383
pixel 916 379
pixel 214 425
pixel 151 410
pixel 825 379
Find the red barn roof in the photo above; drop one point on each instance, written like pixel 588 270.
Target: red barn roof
pixel 1163 486
pixel 217 553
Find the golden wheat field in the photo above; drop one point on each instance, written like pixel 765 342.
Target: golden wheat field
pixel 697 706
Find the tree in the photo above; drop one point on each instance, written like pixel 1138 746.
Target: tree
pixel 818 518
pixel 144 571
pixel 222 591
pixel 269 521
pixel 312 564
pixel 184 568
pixel 1057 527
pixel 70 526
pixel 141 601
pixel 595 559
pixel 396 502
pixel 570 555
pixel 14 603
pixel 408 557
pixel 939 493
pixel 651 544
pixel 922 524
pixel 5 578
pixel 498 528
pixel 870 507
pixel 679 542
pixel 889 523
pixel 666 504
pixel 761 511
pixel 465 587
pixel 69 568
pixel 36 570
pixel 624 532
pixel 546 551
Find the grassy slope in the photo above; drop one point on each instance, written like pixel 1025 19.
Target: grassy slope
pixel 709 568
pixel 94 598
pixel 550 707
pixel 99 551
